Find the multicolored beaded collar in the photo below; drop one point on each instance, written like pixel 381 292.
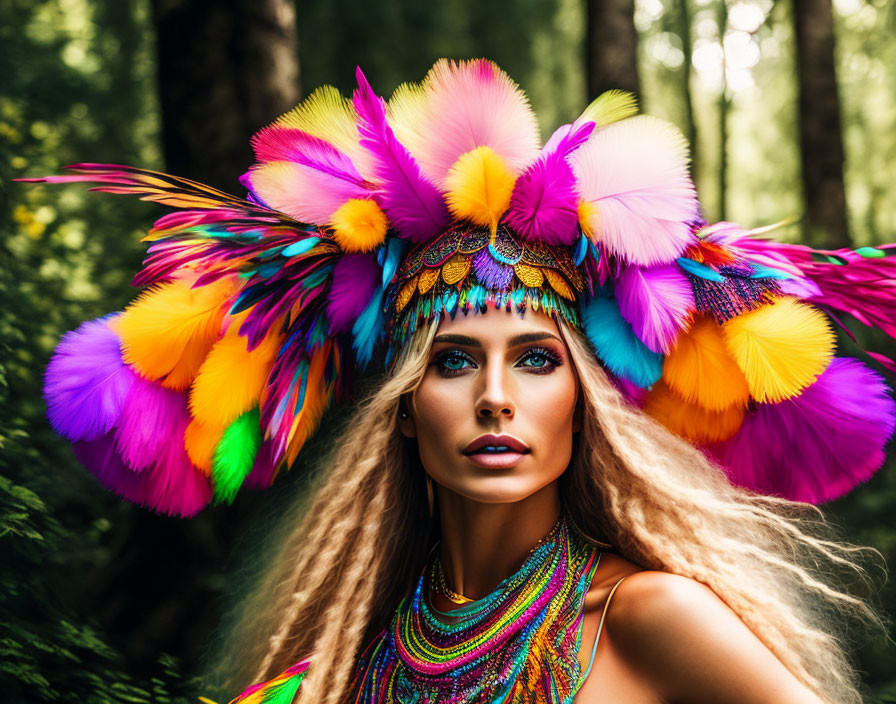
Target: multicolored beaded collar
pixel 519 644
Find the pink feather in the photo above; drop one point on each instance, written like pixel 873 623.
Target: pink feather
pixel 657 301
pixel 544 204
pixel 413 203
pixel 636 173
pixel 309 188
pixel 148 419
pixel 470 104
pixel 860 286
pixel 819 445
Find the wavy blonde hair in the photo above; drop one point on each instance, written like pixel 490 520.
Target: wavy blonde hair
pixel 357 543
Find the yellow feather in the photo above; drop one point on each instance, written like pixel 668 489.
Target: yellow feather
pixel 781 347
pixel 701 370
pixel 690 421
pixel 359 225
pixel 589 219
pixel 479 187
pixel 406 110
pixel 200 441
pixel 326 114
pixel 231 378
pixel 611 106
pixel 167 332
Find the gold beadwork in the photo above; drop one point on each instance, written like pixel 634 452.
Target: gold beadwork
pixel 427 279
pixel 455 269
pixel 558 284
pixel 531 276
pixel 405 295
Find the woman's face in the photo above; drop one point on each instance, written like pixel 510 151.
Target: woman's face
pixel 495 413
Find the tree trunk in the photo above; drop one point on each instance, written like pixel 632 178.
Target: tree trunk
pixel 612 47
pixel 226 68
pixel 821 141
pixel 724 107
pixel 684 31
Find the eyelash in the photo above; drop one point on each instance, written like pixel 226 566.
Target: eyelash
pixel 552 358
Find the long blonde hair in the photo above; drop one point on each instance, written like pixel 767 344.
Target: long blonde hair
pixel 357 543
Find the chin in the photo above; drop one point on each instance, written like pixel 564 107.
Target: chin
pixel 505 489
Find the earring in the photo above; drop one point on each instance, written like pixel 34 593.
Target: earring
pixel 403 414
pixel 430 495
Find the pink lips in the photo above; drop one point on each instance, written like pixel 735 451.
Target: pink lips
pixel 507 453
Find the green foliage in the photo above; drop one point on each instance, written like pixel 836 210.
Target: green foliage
pixel 79 85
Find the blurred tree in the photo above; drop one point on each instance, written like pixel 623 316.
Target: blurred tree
pixel 821 141
pixel 611 46
pixel 225 70
pixel 683 28
pixel 724 107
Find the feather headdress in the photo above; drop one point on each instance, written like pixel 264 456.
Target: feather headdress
pixel 366 218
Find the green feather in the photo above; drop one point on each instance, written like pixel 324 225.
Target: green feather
pixel 609 107
pixel 235 455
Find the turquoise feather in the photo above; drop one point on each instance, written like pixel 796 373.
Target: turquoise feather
pixel 617 345
pixel 367 330
pixel 698 269
pixel 300 247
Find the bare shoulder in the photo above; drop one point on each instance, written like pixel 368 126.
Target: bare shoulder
pixel 692 647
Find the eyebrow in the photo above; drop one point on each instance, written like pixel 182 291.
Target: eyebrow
pixel 514 341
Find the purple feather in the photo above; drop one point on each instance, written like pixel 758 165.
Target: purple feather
pixel 491 274
pixel 86 382
pixel 819 445
pixel 265 468
pixel 356 277
pixel 414 205
pixel 181 490
pixel 150 416
pixel 544 204
pixel 657 301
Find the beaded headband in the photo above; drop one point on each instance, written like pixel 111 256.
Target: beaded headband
pixel 365 219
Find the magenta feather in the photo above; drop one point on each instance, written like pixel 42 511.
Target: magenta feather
pixel 86 382
pixel 150 415
pixel 180 491
pixel 657 301
pixel 414 205
pixel 356 277
pixel 544 204
pixel 860 286
pixel 819 445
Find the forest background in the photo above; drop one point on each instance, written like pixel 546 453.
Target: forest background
pixel 790 106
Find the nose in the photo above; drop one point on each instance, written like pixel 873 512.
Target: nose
pixel 495 395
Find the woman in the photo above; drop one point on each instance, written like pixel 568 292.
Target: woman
pixel 600 426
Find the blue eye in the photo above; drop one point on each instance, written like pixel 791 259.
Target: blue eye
pixel 451 362
pixel 544 360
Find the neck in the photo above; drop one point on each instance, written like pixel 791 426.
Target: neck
pixel 483 544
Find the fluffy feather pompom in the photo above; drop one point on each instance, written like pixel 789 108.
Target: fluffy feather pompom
pixel 618 346
pixel 460 106
pixel 151 416
pixel 781 348
pixel 701 370
pixel 479 187
pixel 86 383
pixel 636 174
pixel 819 445
pixel 359 225
pixel 690 421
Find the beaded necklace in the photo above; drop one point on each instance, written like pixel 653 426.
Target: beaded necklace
pixel 519 644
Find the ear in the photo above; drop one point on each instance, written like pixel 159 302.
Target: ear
pixel 406 424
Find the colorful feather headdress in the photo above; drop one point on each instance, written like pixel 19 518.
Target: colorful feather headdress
pixel 365 218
